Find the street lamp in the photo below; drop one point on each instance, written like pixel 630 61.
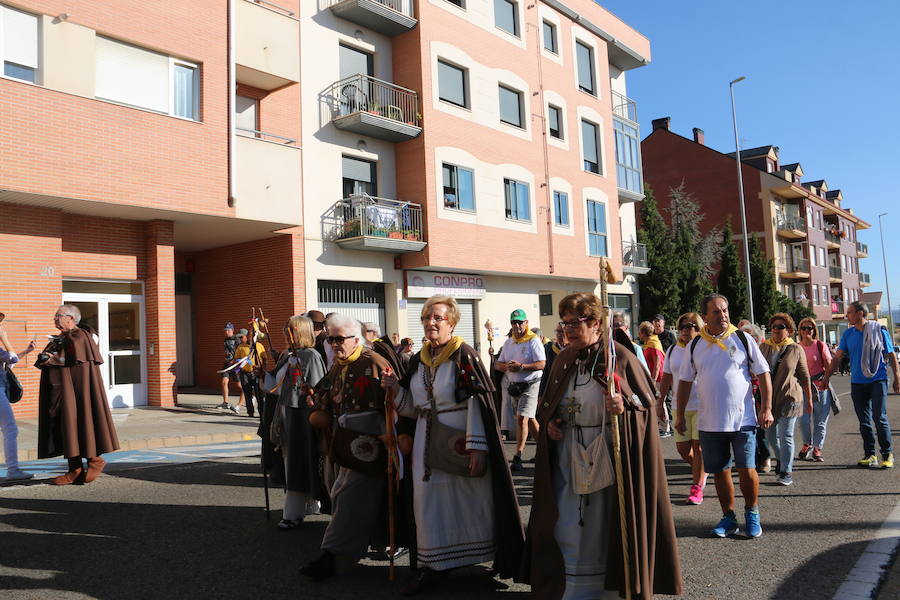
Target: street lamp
pixel 737 158
pixel 887 284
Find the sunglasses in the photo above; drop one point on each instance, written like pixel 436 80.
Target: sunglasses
pixel 684 326
pixel 317 325
pixel 807 328
pixel 516 322
pixel 779 326
pixel 339 339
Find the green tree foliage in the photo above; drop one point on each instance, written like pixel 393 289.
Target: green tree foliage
pixel 659 289
pixel 731 282
pixel 797 311
pixel 695 253
pixel 765 291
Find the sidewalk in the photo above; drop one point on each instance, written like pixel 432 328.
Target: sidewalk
pixel 195 420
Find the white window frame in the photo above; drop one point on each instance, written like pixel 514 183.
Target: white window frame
pixel 37 50
pixel 598 129
pixel 594 70
pixel 173 62
pixel 521 97
pixel 555 30
pixel 557 214
pixel 587 229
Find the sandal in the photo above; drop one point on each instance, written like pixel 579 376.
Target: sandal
pixel 288 524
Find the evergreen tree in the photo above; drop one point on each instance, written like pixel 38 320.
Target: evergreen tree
pixel 694 253
pixel 797 311
pixel 659 289
pixel 765 291
pixel 731 282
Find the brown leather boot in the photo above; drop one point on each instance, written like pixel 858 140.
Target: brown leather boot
pixel 95 467
pixel 76 470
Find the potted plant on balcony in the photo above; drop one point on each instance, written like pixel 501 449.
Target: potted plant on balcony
pixel 395 235
pixel 380 232
pixel 350 229
pixel 375 109
pixel 411 235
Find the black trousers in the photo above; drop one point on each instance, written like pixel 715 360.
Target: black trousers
pixel 250 385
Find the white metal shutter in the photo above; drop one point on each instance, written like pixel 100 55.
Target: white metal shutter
pixel 132 75
pixel 465 328
pixel 19 32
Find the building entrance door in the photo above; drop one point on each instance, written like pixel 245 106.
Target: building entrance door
pixel 118 321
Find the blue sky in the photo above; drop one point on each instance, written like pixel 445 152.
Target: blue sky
pixel 823 84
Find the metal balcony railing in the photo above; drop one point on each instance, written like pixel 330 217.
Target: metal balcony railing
pixel 864 278
pixel 272 5
pixel 834 272
pixel 793 265
pixel 790 222
pixel 634 255
pixel 837 307
pixel 361 93
pixel 862 248
pixel 262 135
pixel 368 216
pixel 624 107
pixel 397 5
pixel 833 238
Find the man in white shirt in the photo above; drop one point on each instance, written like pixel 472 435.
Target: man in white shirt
pixel 723 362
pixel 522 358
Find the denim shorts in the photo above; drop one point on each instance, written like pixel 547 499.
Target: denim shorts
pixel 718 446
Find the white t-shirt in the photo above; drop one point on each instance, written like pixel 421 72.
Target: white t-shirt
pixel 524 353
pixel 672 366
pixel 722 380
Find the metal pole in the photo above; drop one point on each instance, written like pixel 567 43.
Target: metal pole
pixel 887 284
pixel 737 158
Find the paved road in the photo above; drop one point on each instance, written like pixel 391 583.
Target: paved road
pixel 187 522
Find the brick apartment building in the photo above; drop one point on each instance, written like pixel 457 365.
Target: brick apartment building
pixel 166 166
pixel 802 225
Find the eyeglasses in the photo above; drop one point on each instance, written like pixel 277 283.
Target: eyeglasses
pixel 684 326
pixel 575 323
pixel 434 319
pixel 318 325
pixel 371 331
pixel 779 326
pixel 516 322
pixel 338 339
pixel 807 328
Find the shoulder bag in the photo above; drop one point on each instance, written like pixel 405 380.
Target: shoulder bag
pixel 13 387
pixel 835 401
pixel 445 446
pixel 358 451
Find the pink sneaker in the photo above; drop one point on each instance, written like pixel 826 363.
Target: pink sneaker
pixel 696 495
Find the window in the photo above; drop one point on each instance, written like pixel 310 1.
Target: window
pixel 815 294
pixel 518 206
pixel 452 84
pixel 511 107
pixel 812 255
pixel 459 3
pixel 584 58
pixel 561 209
pixel 822 261
pixel 628 157
pixel 590 146
pixel 506 16
pixel 19 44
pixel 352 61
pixel 138 77
pixel 819 218
pixel 809 217
pixel 550 37
pixel 359 177
pixel 554 121
pixel 545 304
pixel 245 115
pixel 459 188
pixel 596 215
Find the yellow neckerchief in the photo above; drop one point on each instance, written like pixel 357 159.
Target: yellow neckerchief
pixel 556 349
pixel 448 350
pixel 717 339
pixel 352 358
pixel 653 342
pixel 787 342
pixel 680 343
pixel 528 335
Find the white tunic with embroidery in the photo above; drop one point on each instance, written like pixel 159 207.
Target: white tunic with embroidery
pixel 581 530
pixel 454 515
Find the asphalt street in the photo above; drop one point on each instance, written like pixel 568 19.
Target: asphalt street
pixel 189 523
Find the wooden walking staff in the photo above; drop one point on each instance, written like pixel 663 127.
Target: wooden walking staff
pixel 606 340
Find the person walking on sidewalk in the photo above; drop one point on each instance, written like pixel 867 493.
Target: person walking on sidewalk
pixel 228 376
pixel 791 391
pixel 870 350
pixel 250 372
pixel 73 413
pixel 8 426
pixel 721 362
pixel 522 358
pixel 818 359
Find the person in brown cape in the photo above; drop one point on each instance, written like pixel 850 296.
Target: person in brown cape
pixel 574 542
pixel 73 414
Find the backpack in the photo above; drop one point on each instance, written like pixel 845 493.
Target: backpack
pixel 741 335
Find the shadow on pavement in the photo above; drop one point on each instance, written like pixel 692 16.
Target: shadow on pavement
pixel 823 572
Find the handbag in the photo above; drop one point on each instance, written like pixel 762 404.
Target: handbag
pixel 445 445
pixel 835 401
pixel 592 468
pixel 358 451
pixel 13 387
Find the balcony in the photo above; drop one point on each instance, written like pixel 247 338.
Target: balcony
pixel 796 268
pixel 862 250
pixel 364 222
pixel 790 227
pixel 375 108
pixel 629 178
pixel 267 178
pixel 864 279
pixel 267 45
pixel 837 308
pixel 390 17
pixel 834 274
pixel 832 240
pixel 634 258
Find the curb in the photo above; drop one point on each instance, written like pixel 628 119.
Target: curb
pixel 165 442
pixel 866 577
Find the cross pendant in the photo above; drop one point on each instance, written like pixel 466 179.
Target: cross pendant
pixel 573 408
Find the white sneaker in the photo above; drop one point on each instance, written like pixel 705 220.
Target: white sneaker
pixel 235 408
pixel 17 474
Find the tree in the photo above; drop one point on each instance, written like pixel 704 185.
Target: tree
pixel 659 288
pixel 694 253
pixel 797 311
pixel 765 291
pixel 731 282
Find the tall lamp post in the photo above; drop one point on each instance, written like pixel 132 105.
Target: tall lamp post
pixel 887 284
pixel 737 158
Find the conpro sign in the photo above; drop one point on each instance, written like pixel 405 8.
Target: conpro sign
pixel 423 284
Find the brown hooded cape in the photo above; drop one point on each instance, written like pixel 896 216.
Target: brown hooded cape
pixel 653 552
pixel 73 413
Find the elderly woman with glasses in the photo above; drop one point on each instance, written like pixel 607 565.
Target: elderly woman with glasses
pixel 73 414
pixel 464 502
pixel 818 360
pixel 790 391
pixel 574 541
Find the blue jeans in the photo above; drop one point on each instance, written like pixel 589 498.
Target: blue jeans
pixel 718 447
pixel 780 436
pixel 870 400
pixel 813 426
